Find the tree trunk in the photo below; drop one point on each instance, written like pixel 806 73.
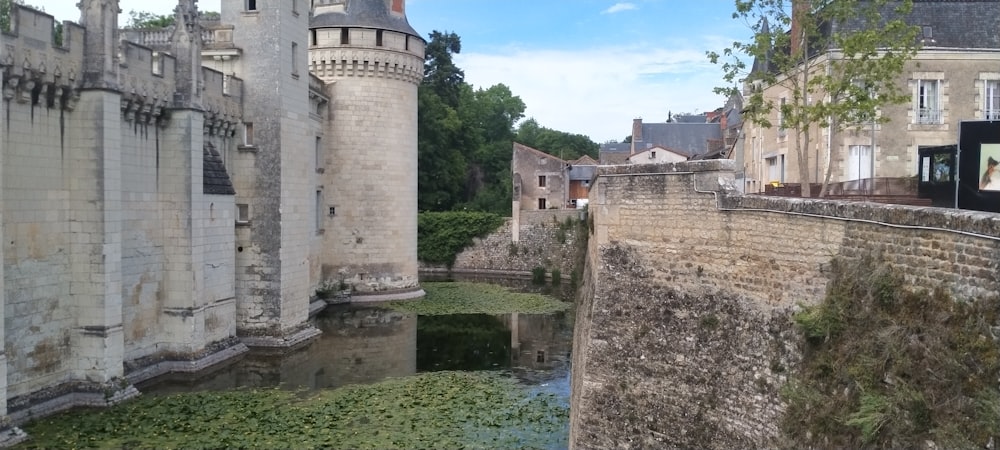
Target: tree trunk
pixel 804 163
pixel 829 159
pixel 803 144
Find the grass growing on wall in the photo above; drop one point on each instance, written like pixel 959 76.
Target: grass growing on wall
pixel 441 236
pixel 433 410
pixel 890 368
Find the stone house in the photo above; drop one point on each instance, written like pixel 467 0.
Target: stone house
pixel 170 197
pixel 543 181
pixel 954 77
pixel 656 155
pixel 687 135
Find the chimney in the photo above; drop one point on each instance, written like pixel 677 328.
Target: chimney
pixel 398 7
pixel 799 9
pixel 636 133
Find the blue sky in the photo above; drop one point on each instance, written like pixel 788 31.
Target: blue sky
pixel 581 66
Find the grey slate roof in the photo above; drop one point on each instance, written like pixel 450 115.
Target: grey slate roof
pixel 952 24
pixel 956 23
pixel 364 14
pixel 690 138
pixel 215 179
pixel 614 152
pixel 960 24
pixel 585 173
pixel 689 118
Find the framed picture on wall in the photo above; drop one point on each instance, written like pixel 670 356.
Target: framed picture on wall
pixel 989 160
pixel 978 185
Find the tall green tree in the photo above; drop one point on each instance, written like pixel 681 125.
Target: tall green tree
pixel 147 20
pixel 565 145
pixel 491 114
pixel 443 134
pixel 442 166
pixel 441 74
pixel 838 60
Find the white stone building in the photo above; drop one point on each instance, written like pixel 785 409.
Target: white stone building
pixel 170 197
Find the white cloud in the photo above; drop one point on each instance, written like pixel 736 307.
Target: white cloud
pixel 619 7
pixel 597 92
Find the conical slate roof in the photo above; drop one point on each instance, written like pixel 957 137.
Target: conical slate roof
pixel 363 14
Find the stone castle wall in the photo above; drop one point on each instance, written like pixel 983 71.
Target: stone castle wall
pixel 127 255
pixel 116 262
pixel 683 336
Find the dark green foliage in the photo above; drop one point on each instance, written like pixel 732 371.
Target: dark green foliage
pixel 564 145
pixel 466 136
pixel 574 278
pixel 709 322
pixel 887 367
pixel 441 74
pixel 147 20
pixel 561 236
pixel 556 277
pixel 538 275
pixel 5 11
pixel 441 236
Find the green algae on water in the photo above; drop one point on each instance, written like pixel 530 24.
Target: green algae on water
pixel 477 298
pixel 432 410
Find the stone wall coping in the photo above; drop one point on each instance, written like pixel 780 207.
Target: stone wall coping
pixel 976 223
pixel 708 165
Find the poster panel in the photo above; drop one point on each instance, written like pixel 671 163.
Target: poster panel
pixel 989 160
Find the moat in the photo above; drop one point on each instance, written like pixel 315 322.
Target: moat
pixel 362 344
pixel 365 344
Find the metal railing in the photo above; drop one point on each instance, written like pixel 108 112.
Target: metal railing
pixel 928 116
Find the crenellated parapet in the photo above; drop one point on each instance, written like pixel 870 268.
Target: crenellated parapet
pixel 222 102
pixel 37 68
pixel 41 68
pixel 331 64
pixel 147 81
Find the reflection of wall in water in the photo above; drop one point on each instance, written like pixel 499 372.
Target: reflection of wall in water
pixel 539 341
pixel 358 345
pixel 363 345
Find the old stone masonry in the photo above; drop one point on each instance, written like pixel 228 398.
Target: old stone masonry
pixel 170 197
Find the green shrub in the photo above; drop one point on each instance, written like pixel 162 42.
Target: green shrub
pixel 556 277
pixel 574 278
pixel 538 275
pixel 441 236
pixel 886 367
pixel 561 235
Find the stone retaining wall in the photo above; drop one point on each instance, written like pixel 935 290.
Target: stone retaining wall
pixel 683 336
pixel 547 241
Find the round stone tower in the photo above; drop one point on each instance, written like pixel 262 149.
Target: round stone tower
pixel 371 62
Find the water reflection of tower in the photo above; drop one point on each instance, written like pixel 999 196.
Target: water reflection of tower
pixel 363 345
pixel 540 342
